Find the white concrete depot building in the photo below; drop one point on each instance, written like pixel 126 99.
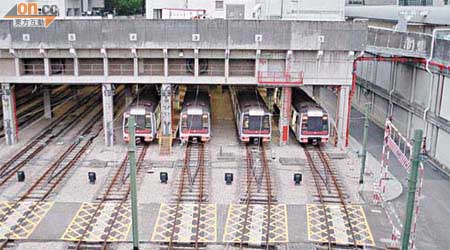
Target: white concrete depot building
pixel 323 10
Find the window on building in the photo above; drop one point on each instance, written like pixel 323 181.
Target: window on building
pixel 157 14
pixel 219 4
pixel 415 2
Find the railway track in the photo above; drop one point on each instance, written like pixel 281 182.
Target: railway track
pixel 258 189
pixel 57 128
pixel 30 109
pixel 117 190
pixel 50 180
pixel 191 187
pixel 329 190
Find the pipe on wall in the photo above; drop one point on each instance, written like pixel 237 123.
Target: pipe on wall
pixel 384 59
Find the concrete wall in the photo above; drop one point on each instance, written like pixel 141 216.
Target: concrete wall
pixel 442 147
pixel 445 104
pixel 214 34
pixel 413 86
pixel 7 67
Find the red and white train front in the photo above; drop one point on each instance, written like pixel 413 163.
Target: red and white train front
pixel 255 124
pixel 253 119
pixel 195 117
pixel 314 127
pixel 147 120
pixel 309 120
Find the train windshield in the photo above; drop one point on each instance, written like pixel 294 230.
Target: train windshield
pixel 142 123
pixel 317 123
pixel 256 122
pixel 195 122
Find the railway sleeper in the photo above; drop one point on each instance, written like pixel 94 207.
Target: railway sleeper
pixel 88 246
pixel 184 246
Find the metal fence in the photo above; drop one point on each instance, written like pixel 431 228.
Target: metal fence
pixel 241 69
pixel 33 69
pixel 91 69
pixel 152 69
pixel 280 77
pixel 415 2
pixel 180 69
pixel 121 69
pixel 61 69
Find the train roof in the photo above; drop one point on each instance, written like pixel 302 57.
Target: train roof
pixel 196 101
pixel 251 101
pixel 302 102
pixel 148 101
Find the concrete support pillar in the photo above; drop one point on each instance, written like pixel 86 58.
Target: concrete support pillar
pixel 270 93
pixel 128 95
pixel 227 63
pixel 288 61
pixel 105 66
pixel 17 66
pixel 135 66
pixel 258 55
pixel 166 109
pixel 196 63
pixel 76 67
pixel 166 63
pixel 85 5
pixel 316 92
pixel 343 113
pixel 76 71
pixel 47 66
pixel 285 115
pixel 9 114
pixel 108 113
pixel 47 103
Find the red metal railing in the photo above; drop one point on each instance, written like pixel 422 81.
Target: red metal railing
pixel 280 77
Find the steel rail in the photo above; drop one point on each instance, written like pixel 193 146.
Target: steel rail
pixel 315 173
pixel 180 193
pixel 266 173
pixel 324 159
pixel 125 198
pixel 201 166
pixel 105 197
pixel 6 172
pixel 249 161
pixel 42 178
pixel 87 129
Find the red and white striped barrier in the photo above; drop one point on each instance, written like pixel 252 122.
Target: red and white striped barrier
pixel 401 148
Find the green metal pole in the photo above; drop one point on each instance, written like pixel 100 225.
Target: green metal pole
pixel 132 157
pixel 364 146
pixel 412 182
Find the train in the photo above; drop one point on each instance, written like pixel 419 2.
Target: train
pixel 147 111
pixel 253 119
pixel 195 116
pixel 309 121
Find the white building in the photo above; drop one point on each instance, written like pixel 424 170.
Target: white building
pixel 329 10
